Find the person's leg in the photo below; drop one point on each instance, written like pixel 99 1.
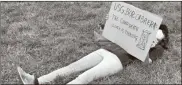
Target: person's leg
pixel 108 66
pixel 84 63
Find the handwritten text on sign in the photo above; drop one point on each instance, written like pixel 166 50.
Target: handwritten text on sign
pixel 131 28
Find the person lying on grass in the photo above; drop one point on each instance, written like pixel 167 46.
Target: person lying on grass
pixel 107 60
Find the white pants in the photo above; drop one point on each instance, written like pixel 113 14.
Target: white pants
pixel 97 64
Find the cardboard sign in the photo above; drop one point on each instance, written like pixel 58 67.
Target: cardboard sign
pixel 131 28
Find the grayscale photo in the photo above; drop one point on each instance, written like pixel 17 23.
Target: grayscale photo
pixel 95 42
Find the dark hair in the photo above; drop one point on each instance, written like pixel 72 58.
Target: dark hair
pixel 164 42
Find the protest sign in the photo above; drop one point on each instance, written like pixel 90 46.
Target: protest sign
pixel 131 28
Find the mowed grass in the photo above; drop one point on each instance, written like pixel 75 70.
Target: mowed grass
pixel 44 36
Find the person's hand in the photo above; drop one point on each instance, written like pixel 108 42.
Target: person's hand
pixel 150 60
pixel 107 16
pixel 101 26
pixel 154 43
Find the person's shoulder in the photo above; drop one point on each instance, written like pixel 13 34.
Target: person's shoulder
pixel 156 52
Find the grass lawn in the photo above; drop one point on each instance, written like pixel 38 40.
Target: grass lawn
pixel 44 36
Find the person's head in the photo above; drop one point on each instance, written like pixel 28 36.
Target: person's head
pixel 162 36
